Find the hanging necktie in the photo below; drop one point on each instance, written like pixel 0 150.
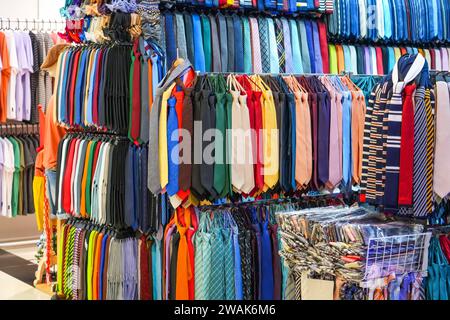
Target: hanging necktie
pixel 172 147
pixel 280 45
pixel 256 47
pixel 405 196
pixel 264 41
pixel 247 46
pixel 135 109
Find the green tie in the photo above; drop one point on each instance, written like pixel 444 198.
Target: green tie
pixel 221 124
pixel 228 189
pixel 206 28
pixel 68 264
pixel 247 47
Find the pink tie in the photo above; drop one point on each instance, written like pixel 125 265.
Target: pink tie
pixel 444 54
pixel 256 48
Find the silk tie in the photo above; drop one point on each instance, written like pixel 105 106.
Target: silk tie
pixel 280 45
pixel 247 46
pixel 405 196
pixel 181 37
pixel 273 47
pixel 287 46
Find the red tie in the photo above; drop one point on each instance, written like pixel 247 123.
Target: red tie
pixel 136 96
pixel 405 192
pixel 380 68
pixel 433 59
pixel 324 46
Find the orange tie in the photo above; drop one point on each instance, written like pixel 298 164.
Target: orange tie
pixel 183 265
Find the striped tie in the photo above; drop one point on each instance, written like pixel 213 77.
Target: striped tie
pixel 420 154
pixel 290 286
pixel 68 264
pixel 429 107
pixel 199 265
pixel 280 45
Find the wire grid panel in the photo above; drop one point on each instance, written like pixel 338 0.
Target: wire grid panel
pixel 397 255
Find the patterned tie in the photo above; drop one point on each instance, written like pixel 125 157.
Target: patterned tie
pixel 264 41
pixel 280 45
pixel 256 47
pixel 290 286
pixel 429 107
pixel 230 293
pixel 216 285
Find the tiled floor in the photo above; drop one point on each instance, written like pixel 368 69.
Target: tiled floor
pixel 17 268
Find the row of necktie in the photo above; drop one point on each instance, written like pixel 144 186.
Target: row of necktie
pixel 286 6
pixel 17 156
pixel 95 263
pixel 89 182
pixel 233 43
pixel 335 241
pixel 380 60
pixel 398 157
pixel 103 178
pixel 231 255
pixel 269 133
pixel 438 280
pixel 106 87
pixel 393 21
pixel 23 86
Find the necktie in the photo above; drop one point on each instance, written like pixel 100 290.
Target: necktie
pixel 231 49
pixel 172 147
pixel 247 46
pixel 324 47
pixel 273 47
pixel 238 45
pixel 264 41
pixel 306 62
pixel 405 196
pixel 256 47
pixel 199 55
pixel 183 263
pixel 217 286
pixel 441 163
pixel 287 46
pixel 279 36
pixel 181 37
pixel 296 52
pixel 136 97
pixel 216 56
pixel 206 33
pixel 223 42
pixel 171 50
pixel 189 36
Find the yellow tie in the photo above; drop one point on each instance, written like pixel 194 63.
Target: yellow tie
pixel 163 154
pixel 270 137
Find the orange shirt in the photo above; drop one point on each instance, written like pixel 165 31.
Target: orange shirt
pixel 52 136
pixel 5 74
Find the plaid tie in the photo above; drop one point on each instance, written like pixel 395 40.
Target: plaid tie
pixel 280 45
pixel 264 40
pixel 229 265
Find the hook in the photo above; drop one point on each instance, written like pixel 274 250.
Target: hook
pixel 18 25
pixel 9 24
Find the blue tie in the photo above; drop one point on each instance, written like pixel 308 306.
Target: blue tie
pixel 317 52
pixel 310 41
pixel 274 65
pixel 171 50
pixel 306 61
pixel 296 53
pixel 238 45
pixel 199 55
pixel 172 146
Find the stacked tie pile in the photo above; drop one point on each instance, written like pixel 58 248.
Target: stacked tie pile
pixel 232 43
pixel 98 263
pixel 399 141
pixel 333 242
pixel 224 137
pixel 23 85
pixel 396 21
pixel 286 6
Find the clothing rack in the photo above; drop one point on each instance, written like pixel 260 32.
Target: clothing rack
pixel 287 74
pixel 36 23
pixel 17 128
